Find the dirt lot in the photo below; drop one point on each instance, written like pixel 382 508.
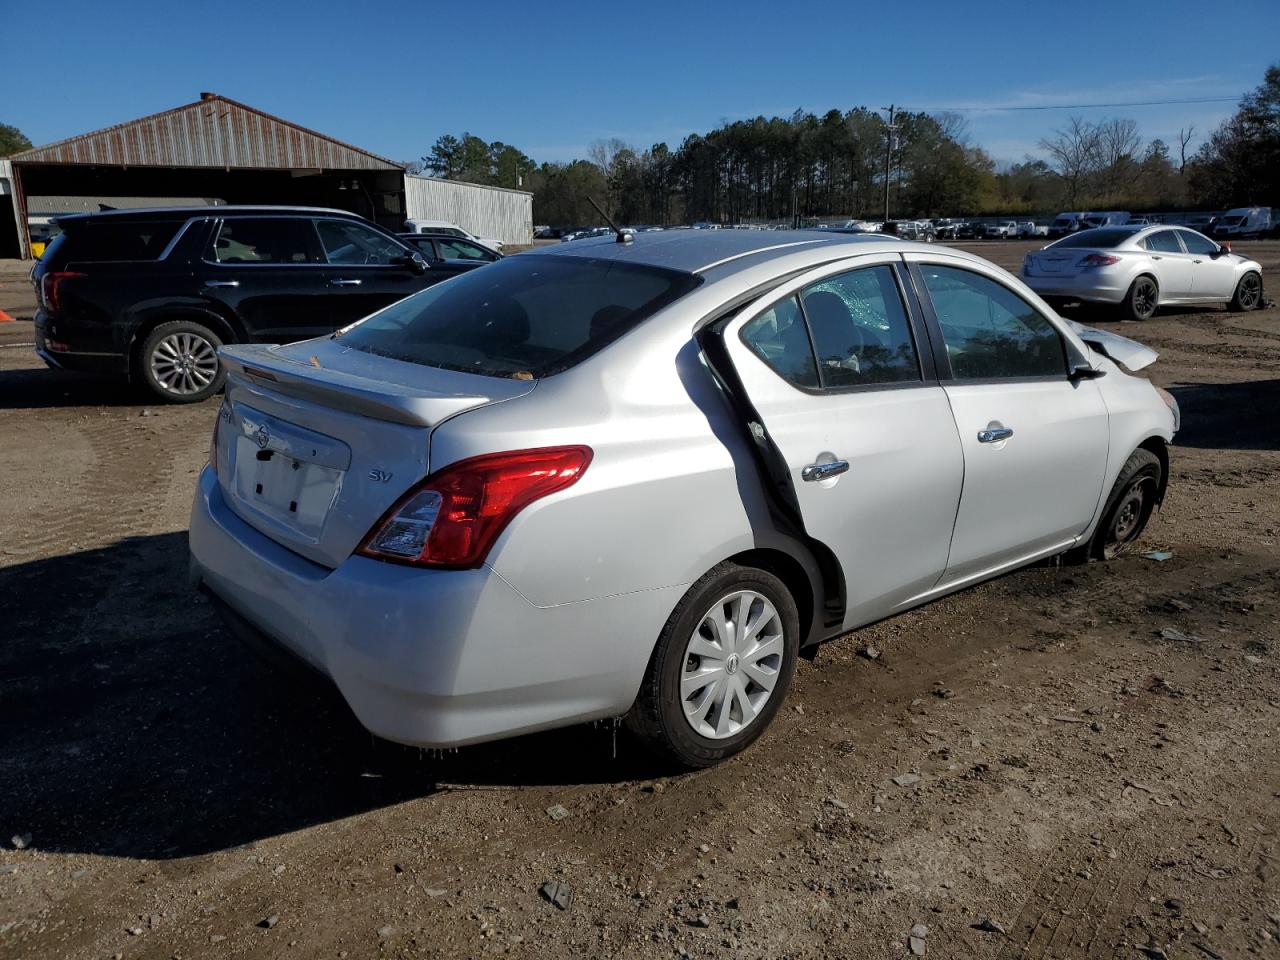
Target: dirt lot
pixel 1093 788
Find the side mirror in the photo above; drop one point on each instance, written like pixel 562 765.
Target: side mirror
pixel 1084 371
pixel 416 263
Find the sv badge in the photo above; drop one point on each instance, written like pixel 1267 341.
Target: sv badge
pixel 379 476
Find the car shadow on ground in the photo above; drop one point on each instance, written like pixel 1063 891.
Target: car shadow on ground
pixel 135 726
pixel 42 387
pixel 1229 416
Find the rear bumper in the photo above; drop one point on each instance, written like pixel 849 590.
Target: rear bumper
pixel 74 356
pixel 1090 287
pixel 429 657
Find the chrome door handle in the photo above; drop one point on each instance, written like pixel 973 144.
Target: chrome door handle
pixel 824 471
pixel 345 283
pixel 994 434
pixel 1197 261
pixel 1154 257
pixel 222 283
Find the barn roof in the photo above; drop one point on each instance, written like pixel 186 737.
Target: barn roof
pixel 212 132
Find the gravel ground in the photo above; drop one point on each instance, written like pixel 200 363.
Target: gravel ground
pixel 1089 787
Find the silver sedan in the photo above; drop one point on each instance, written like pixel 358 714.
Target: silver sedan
pixel 1142 268
pixel 637 478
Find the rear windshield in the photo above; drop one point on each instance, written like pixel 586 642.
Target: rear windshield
pixel 1095 238
pixel 525 317
pixel 112 240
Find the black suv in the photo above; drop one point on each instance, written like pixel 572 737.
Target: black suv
pixel 151 294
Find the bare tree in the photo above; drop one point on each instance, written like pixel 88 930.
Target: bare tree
pixel 1074 154
pixel 1185 136
pixel 1118 143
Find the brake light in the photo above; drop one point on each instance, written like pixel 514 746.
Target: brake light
pixel 49 285
pixel 1099 260
pixel 453 517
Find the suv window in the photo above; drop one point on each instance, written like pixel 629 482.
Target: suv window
pixel 860 329
pixel 354 243
pixel 1196 243
pixel 779 338
pixel 524 317
pixel 118 240
pixel 1163 241
pixel 989 331
pixel 462 250
pixel 267 240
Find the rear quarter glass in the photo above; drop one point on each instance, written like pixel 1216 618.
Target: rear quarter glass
pixel 524 317
pixel 117 240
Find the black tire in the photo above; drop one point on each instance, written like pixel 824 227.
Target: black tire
pixel 1142 299
pixel 1129 506
pixel 658 715
pixel 177 362
pixel 1248 295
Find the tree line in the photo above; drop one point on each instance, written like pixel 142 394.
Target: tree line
pixel 806 166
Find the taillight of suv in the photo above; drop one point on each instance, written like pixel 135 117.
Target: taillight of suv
pixel 453 517
pixel 50 288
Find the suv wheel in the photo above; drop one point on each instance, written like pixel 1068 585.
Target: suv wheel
pixel 179 362
pixel 721 667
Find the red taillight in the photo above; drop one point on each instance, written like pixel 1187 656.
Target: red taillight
pixel 49 287
pixel 453 517
pixel 1099 260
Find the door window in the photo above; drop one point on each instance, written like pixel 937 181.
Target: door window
pixel 1196 243
pixel 779 338
pixel 989 331
pixel 462 250
pixel 860 329
pixel 1163 241
pixel 278 240
pixel 346 242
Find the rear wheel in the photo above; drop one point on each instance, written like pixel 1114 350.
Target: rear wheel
pixel 1141 300
pixel 1248 295
pixel 178 362
pixel 720 669
pixel 1129 507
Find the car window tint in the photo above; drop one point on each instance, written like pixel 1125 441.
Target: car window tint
pixel 120 240
pixel 279 240
pixel 1100 238
pixel 860 329
pixel 523 317
pixel 462 250
pixel 778 337
pixel 989 331
pixel 1195 243
pixel 1163 241
pixel 354 243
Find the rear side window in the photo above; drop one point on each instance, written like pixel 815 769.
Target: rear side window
pixel 1163 241
pixel 524 317
pixel 779 338
pixel 860 329
pixel 119 240
pixel 269 240
pixel 989 331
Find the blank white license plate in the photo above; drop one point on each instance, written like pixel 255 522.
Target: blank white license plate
pixel 293 492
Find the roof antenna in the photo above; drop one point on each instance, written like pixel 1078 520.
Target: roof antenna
pixel 623 236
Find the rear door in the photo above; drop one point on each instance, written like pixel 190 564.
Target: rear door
pixel 270 272
pixel 1212 277
pixel 1035 442
pixel 1171 264
pixel 368 269
pixel 832 363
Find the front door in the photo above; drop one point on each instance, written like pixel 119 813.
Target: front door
pixel 833 365
pixel 1035 441
pixel 367 270
pixel 1213 275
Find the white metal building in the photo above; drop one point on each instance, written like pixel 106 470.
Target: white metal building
pixel 496 212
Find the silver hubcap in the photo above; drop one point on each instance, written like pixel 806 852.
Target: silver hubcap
pixel 731 665
pixel 184 363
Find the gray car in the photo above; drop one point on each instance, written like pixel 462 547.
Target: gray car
pixel 1140 268
pixel 641 478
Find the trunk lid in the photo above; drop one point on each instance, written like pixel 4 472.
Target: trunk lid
pixel 316 441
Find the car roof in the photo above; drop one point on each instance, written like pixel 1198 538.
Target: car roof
pixel 224 210
pixel 699 251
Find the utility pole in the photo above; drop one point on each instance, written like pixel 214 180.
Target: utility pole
pixel 888 157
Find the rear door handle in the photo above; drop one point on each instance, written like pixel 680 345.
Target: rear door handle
pixel 222 283
pixel 824 471
pixel 345 283
pixel 1154 257
pixel 994 434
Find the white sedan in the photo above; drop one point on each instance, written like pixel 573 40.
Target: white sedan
pixel 1141 268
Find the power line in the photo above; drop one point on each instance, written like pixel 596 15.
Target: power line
pixel 1081 106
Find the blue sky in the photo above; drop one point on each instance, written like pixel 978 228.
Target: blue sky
pixel 552 77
